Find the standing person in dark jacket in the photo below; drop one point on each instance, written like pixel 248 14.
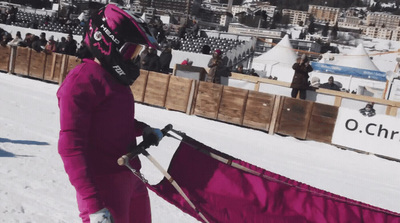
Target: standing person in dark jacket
pixel 43 40
pixel 216 67
pixel 70 45
pixel 61 45
pixel 300 79
pixel 36 44
pixel 151 61
pixel 165 60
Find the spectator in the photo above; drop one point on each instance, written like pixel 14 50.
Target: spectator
pixel 36 44
pixel 252 72
pixel 151 62
pixel 70 45
pixel 182 31
pixel 50 46
pixel 195 28
pixel 175 43
pixel 43 40
pixel 143 54
pixel 6 38
pixel 165 60
pixel 330 85
pixel 368 111
pixel 239 69
pixel 61 45
pixel 315 82
pixel 187 62
pixel 300 78
pixel 27 40
pixel 216 68
pixel 206 49
pixel 17 39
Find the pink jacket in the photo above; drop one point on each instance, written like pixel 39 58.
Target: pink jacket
pixel 97 127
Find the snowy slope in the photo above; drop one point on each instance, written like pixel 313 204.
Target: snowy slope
pixel 34 187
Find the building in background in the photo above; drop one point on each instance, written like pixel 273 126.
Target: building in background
pixel 324 14
pixel 296 17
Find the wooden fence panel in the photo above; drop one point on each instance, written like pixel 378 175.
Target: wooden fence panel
pixel 37 64
pixel 53 69
pixel 322 122
pixel 232 105
pixel 139 86
pixel 5 53
pixel 22 59
pixel 208 100
pixel 72 62
pixel 258 111
pixel 156 89
pixel 179 90
pixel 294 117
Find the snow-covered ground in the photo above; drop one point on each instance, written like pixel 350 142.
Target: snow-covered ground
pixel 34 187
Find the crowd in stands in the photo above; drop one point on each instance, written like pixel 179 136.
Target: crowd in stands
pixel 187 38
pixel 11 16
pixel 41 43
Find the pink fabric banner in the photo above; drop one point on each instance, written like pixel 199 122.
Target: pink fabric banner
pixel 223 193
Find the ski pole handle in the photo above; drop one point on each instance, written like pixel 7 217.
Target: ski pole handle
pixel 140 148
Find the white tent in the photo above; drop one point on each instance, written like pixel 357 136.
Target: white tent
pixel 281 53
pixel 280 57
pixel 358 58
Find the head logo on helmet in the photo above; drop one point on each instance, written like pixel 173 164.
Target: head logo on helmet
pixel 109 34
pixel 114 37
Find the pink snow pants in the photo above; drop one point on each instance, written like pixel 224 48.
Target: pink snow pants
pixel 124 195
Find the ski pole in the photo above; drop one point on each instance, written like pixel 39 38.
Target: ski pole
pixel 141 149
pixel 174 184
pixel 123 160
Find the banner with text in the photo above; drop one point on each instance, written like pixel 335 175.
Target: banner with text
pixel 378 134
pixel 355 72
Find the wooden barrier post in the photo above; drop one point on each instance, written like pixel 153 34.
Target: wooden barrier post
pixel 63 72
pixel 191 98
pixel 275 114
pixel 12 59
pixel 5 54
pixel 391 110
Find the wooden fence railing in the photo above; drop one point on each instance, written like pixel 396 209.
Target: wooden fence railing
pixel 25 61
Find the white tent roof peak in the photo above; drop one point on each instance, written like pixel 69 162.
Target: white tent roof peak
pixel 281 53
pixel 358 58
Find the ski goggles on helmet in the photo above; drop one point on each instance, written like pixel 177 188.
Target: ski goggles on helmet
pixel 130 51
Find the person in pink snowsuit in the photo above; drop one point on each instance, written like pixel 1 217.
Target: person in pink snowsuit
pixel 97 124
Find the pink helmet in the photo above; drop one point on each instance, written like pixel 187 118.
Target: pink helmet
pixel 116 37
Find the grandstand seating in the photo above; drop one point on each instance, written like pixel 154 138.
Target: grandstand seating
pixel 33 20
pixel 193 44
